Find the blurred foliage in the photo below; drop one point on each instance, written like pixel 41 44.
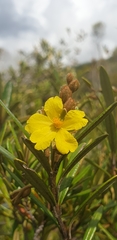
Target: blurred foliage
pixel 75 198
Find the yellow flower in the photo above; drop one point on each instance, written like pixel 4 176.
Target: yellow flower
pixel 45 129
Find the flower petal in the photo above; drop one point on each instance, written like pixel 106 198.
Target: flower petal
pixel 65 142
pixel 43 138
pixel 37 121
pixel 74 120
pixel 53 107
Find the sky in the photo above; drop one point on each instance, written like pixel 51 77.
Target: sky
pixel 24 23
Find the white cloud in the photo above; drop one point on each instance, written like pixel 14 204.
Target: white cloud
pixel 33 9
pixel 27 21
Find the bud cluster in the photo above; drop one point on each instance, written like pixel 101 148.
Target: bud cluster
pixel 67 90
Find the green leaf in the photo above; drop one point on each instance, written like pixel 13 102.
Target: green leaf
pixel 95 123
pixel 82 193
pixel 107 233
pixel 8 155
pixel 4 192
pixel 72 155
pixel 111 130
pixel 96 194
pixel 34 199
pixel 38 154
pixel 17 122
pixel 109 99
pixel 36 181
pixel 106 86
pixel 80 155
pixel 18 232
pixel 6 96
pixel 15 137
pixel 87 82
pixel 89 234
pixel 2 132
pixel 97 166
pixel 81 174
pixel 67 181
pixel 68 159
pixel 43 208
pixel 14 176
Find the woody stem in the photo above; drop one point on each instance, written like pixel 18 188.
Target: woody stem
pixel 57 208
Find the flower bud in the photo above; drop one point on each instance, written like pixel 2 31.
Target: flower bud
pixel 70 104
pixel 74 85
pixel 69 77
pixel 65 93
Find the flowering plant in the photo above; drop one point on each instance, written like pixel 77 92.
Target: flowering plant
pixel 55 124
pixel 54 189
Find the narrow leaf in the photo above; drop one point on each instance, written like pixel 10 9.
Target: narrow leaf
pixel 97 166
pixel 6 96
pixel 111 130
pixel 87 82
pixel 96 194
pixel 89 234
pixel 106 86
pixel 17 122
pixel 109 99
pixel 14 134
pixel 36 181
pixel 95 123
pixel 8 155
pixel 67 181
pixel 107 233
pixel 38 154
pixel 81 174
pixel 35 199
pixel 80 155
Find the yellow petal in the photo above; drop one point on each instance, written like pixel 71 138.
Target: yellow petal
pixel 37 121
pixel 65 142
pixel 53 107
pixel 74 120
pixel 43 138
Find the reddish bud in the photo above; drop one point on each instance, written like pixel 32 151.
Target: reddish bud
pixel 74 85
pixel 69 77
pixel 70 104
pixel 65 93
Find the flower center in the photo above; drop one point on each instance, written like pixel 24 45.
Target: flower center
pixel 57 123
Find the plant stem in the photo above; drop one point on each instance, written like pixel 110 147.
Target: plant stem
pixel 57 209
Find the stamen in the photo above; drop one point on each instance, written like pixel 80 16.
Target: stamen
pixel 57 123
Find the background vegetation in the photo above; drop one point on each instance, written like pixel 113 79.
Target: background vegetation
pixel 86 180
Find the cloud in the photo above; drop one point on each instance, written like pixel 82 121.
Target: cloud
pixel 23 23
pixel 12 23
pixel 59 15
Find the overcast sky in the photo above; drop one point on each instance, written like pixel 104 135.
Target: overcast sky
pixel 23 23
